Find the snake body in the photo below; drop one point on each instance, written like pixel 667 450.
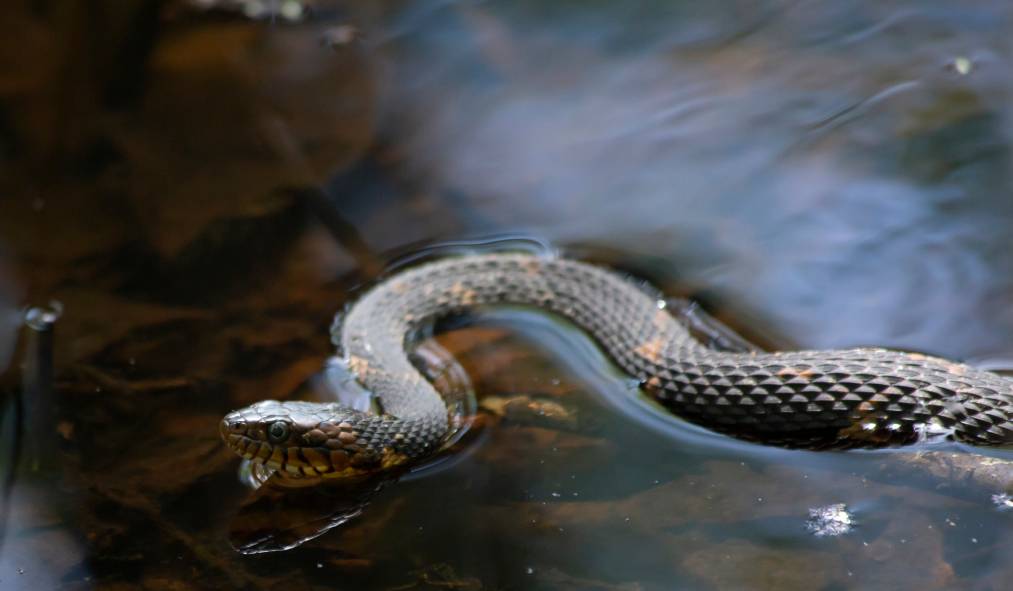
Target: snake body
pixel 841 398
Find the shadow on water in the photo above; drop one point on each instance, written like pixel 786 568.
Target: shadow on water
pixel 202 184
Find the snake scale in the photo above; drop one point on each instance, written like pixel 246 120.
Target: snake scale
pixel 811 399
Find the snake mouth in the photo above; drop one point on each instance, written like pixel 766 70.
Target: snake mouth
pixel 248 448
pixel 289 461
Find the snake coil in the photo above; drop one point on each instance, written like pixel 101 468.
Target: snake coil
pixel 814 399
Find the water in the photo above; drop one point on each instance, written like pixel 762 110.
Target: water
pixel 202 185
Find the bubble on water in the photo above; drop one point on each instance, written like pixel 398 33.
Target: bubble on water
pixel 831 520
pixel 44 317
pixel 962 65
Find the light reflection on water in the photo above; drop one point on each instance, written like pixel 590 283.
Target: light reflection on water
pixel 858 207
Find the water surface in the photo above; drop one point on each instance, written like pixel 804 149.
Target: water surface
pixel 201 185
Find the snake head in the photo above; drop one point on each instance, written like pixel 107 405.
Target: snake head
pixel 306 440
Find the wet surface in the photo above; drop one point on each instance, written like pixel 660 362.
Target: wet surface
pixel 199 186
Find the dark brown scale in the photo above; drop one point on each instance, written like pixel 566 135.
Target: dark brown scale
pixel 846 398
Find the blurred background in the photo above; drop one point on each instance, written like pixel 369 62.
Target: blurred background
pixel 198 185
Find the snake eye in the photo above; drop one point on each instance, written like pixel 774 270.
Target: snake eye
pixel 278 431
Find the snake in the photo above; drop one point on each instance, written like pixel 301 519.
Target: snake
pixel 812 399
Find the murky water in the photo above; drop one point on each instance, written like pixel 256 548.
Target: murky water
pixel 199 186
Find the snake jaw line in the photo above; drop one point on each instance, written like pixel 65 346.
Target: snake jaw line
pixel 315 441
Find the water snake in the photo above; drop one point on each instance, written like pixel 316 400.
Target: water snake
pixel 865 397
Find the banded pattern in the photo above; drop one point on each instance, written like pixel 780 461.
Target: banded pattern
pixel 816 399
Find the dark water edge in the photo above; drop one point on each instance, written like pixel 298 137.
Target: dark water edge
pixel 201 191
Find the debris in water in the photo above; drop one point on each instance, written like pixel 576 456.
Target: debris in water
pixel 1003 501
pixel 961 65
pixel 832 520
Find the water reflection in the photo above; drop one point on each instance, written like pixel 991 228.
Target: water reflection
pixel 31 508
pixel 870 196
pixel 203 191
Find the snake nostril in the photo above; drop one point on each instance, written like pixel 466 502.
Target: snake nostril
pixel 231 427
